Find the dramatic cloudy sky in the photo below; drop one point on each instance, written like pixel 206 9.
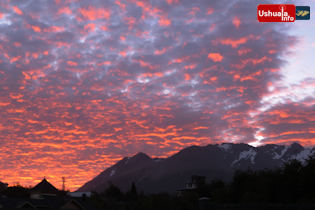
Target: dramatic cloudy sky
pixel 84 83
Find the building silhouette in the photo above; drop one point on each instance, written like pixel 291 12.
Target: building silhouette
pixel 46 196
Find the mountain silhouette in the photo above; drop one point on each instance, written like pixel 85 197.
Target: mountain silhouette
pixel 212 161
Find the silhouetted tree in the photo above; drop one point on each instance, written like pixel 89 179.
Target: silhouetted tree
pixel 113 192
pixel 132 194
pixel 17 191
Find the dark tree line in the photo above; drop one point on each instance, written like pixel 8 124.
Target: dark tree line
pixel 16 191
pixel 113 198
pixel 294 183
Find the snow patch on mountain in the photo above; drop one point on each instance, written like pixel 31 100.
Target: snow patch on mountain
pixel 127 160
pixel 303 155
pixel 249 154
pixel 112 173
pixel 225 146
pixel 278 156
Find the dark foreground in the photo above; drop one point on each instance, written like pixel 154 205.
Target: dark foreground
pixel 291 187
pixel 257 207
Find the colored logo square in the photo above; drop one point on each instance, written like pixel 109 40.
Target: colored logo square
pixel 302 12
pixel 276 13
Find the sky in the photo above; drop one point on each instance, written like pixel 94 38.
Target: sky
pixel 84 83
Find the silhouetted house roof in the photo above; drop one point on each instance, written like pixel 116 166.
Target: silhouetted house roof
pixel 44 187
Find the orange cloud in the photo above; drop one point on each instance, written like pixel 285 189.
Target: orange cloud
pixel 89 27
pixel 92 13
pixel 164 21
pixel 191 66
pixel 216 57
pixel 55 29
pixel 104 63
pixel 121 5
pixel 104 28
pixel 71 63
pixel 172 1
pixel 187 77
pixel 234 42
pixel 36 28
pixel 64 10
pixel 12 60
pixel 210 11
pixel 17 10
pixel 236 22
pixel 146 64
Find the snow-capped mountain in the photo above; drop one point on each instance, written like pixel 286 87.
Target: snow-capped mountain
pixel 212 161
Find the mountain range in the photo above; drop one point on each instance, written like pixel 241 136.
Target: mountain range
pixel 219 161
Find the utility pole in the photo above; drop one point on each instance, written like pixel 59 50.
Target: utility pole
pixel 63 183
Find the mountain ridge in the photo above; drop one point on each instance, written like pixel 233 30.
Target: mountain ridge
pixel 152 175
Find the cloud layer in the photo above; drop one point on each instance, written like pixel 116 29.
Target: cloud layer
pixel 84 83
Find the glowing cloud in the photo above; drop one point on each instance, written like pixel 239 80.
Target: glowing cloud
pixel 92 13
pixel 236 22
pixel 17 10
pixel 216 57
